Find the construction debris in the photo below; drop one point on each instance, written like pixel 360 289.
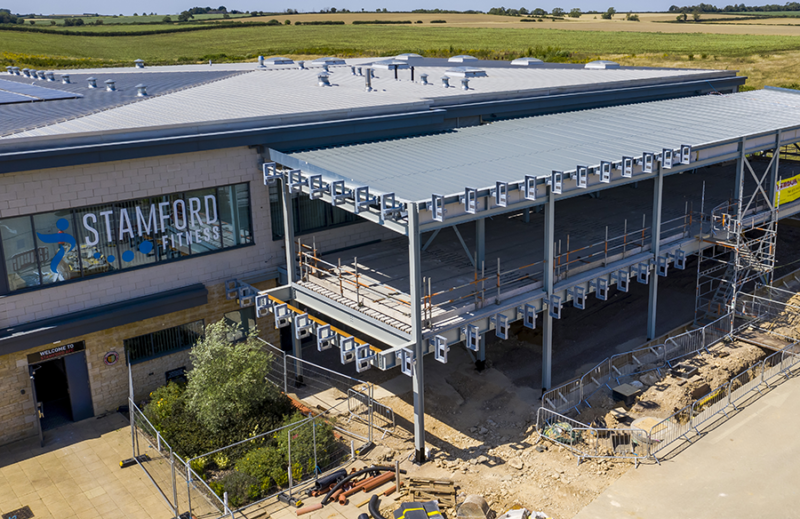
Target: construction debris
pixel 441 490
pixel 474 507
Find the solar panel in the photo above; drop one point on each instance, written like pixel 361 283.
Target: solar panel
pixel 40 93
pixel 8 97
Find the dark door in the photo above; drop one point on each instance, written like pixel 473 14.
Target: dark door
pixel 80 395
pixel 52 392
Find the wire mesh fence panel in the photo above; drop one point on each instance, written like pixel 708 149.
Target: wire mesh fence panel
pixel 637 362
pixel 773 365
pixel 316 447
pixel 662 435
pixel 598 377
pixel 595 442
pixel 277 370
pixel 564 398
pixel 742 384
pixel 682 345
pixel 153 454
pixel 710 405
pixel 716 331
pixel 558 428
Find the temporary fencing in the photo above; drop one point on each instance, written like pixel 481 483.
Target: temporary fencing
pixel 617 369
pixel 657 440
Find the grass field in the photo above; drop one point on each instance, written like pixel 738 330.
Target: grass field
pixel 765 58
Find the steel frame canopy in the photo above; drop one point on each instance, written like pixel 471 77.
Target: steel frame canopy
pixel 476 172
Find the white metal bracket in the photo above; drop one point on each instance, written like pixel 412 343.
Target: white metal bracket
pixel 473 337
pixel 605 172
pixel 362 199
pixel 600 288
pixel 583 176
pixel 326 337
pixel 500 322
pixel 470 200
pixel 578 294
pixel 554 306
pixel 231 289
pixel 529 316
pixel 666 158
pixel 501 194
pixel 407 361
pixel 662 266
pixel 347 349
pixel 282 316
pixel 296 180
pixel 686 154
pixel 271 173
pixel 529 187
pixel 680 259
pixel 437 207
pixel 302 326
pixel 647 162
pixel 316 187
pixel 339 192
pixel 556 182
pixel 263 305
pixel 440 348
pixel 643 273
pixel 389 208
pixel 364 356
pixel 627 167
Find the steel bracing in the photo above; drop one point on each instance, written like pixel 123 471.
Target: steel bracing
pixel 743 235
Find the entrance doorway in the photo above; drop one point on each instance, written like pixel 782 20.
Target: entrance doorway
pixel 61 386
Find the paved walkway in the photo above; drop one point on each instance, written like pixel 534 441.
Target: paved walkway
pixel 77 474
pixel 745 467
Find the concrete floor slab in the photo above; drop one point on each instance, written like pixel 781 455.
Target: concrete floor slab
pixel 743 467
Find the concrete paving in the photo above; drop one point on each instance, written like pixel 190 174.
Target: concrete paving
pixel 77 474
pixel 743 467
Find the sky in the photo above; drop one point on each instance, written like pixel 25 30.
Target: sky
pixel 175 6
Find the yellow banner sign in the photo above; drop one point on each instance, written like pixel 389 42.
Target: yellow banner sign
pixel 788 190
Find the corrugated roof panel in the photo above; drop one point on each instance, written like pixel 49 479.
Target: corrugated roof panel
pixel 414 168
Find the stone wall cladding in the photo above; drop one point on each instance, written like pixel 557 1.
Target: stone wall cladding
pixel 109 384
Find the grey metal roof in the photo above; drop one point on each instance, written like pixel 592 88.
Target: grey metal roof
pixel 415 168
pixel 290 95
pixel 30 115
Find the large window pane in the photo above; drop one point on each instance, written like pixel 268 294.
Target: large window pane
pixel 20 251
pixel 243 320
pixel 234 215
pixel 243 208
pixel 204 220
pixel 97 239
pixel 57 242
pixel 136 231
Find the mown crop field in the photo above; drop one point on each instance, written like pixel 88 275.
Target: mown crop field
pixel 116 20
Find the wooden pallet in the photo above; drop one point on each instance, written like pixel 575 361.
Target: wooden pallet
pixel 428 489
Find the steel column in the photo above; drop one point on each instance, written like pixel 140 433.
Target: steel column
pixel 480 242
pixel 658 184
pixel 737 191
pixel 481 362
pixel 288 231
pixel 547 320
pixel 773 174
pixel 415 284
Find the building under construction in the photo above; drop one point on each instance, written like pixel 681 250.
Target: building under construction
pixel 389 209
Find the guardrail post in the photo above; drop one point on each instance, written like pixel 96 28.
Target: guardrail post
pixel 285 375
pixel 189 486
pixel 371 393
pixel 174 485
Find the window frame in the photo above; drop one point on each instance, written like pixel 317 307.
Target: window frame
pixel 160 354
pixel 5 289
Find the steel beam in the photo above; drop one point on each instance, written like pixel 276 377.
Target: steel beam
pixel 415 284
pixel 652 311
pixel 481 362
pixel 773 176
pixel 547 319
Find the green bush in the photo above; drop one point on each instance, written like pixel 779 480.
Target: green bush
pixel 162 403
pixel 262 463
pixel 302 447
pixel 226 386
pixel 241 488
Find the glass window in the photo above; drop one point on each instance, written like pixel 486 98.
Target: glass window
pixel 21 256
pixel 309 215
pixel 203 226
pixel 163 342
pixel 72 244
pixel 59 257
pixel 95 236
pixel 244 320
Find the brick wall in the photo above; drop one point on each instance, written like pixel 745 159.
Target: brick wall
pixel 109 384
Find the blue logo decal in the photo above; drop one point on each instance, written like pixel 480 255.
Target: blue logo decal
pixel 59 238
pixel 64 238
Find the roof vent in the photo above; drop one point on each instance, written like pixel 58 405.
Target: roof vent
pixel 360 72
pixel 92 82
pixel 526 62
pixel 464 84
pixel 465 72
pixel 368 79
pixel 9 69
pixel 324 80
pixel 602 65
pixel 41 74
pixel 110 86
pixel 50 76
pixel 352 71
pixel 445 81
pixel 139 63
pixel 329 61
pixel 26 72
pixel 33 73
pixel 65 79
pixel 325 67
pixel 16 71
pixel 408 56
pixel 302 65
pixel 261 61
pixel 278 60
pixel 462 58
pixel 424 79
pixel 141 90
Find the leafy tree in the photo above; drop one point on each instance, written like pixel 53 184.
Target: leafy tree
pixel 696 15
pixel 523 11
pixel 539 12
pixel 167 19
pixel 185 16
pixel 575 13
pixel 557 11
pixel 7 17
pixel 222 8
pixel 227 382
pixel 632 17
pixel 608 15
